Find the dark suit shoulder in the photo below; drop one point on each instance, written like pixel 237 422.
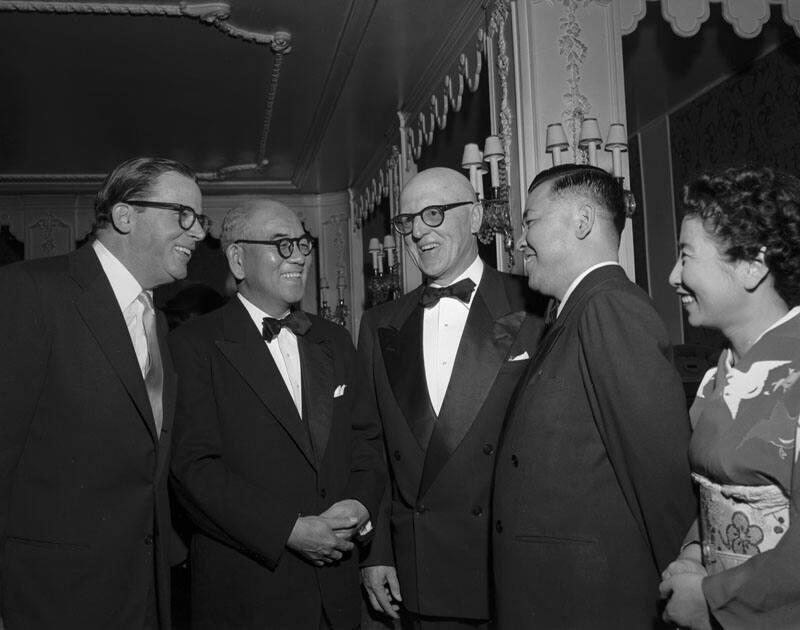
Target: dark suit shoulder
pixel 520 296
pixel 206 326
pixel 380 314
pixel 329 330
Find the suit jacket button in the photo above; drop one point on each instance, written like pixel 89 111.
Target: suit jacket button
pixel 421 509
pixel 498 526
pixel 515 461
pixel 148 540
pixel 477 510
pixel 488 449
pixel 323 493
pixel 397 455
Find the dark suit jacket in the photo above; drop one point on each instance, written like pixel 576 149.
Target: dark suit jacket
pixel 592 490
pixel 84 512
pixel 434 524
pixel 246 466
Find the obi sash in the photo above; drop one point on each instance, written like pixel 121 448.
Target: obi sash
pixel 737 522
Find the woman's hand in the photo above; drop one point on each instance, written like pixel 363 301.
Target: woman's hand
pixel 687 607
pixel 690 560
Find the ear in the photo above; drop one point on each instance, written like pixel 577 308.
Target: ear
pixel 476 217
pixel 235 256
pixel 753 272
pixel 585 217
pixel 122 217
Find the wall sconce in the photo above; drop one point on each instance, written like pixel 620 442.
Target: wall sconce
pixel 341 313
pixel 383 287
pixel 589 141
pixel 496 215
pixel 325 310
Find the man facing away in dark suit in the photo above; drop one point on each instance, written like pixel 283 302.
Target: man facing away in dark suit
pixel 442 368
pixel 277 446
pixel 592 489
pixel 87 395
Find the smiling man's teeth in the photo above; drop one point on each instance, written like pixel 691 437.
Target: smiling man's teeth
pixel 687 299
pixel 184 250
pixel 429 247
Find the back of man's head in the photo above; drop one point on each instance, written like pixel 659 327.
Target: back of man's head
pixel 130 179
pixel 591 183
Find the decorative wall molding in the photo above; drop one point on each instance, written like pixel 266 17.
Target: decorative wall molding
pixel 686 17
pixel 497 30
pixel 574 51
pixel 214 14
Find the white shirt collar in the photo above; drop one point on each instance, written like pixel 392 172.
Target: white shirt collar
pixel 474 272
pixel 577 281
pixel 256 314
pixel 126 288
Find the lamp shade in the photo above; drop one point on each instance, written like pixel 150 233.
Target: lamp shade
pixel 616 137
pixel 556 138
pixel 590 132
pixel 493 148
pixel 388 242
pixel 374 245
pixel 472 155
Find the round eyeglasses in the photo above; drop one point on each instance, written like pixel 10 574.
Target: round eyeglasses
pixel 432 216
pixel 285 246
pixel 186 215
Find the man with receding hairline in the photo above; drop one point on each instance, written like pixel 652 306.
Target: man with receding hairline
pixel 443 361
pixel 87 393
pixel 277 447
pixel 591 493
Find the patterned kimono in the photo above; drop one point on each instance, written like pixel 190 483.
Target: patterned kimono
pixel 743 456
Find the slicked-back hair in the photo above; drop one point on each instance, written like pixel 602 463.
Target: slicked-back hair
pixel 588 181
pixel 746 209
pixel 132 178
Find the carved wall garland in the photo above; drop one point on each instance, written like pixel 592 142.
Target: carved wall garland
pixel 574 50
pixel 686 17
pixel 497 28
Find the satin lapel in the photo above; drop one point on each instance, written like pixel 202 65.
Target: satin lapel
pixel 100 311
pixel 484 346
pixel 318 387
pixel 405 368
pixel 244 348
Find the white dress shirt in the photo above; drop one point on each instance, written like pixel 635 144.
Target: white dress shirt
pixel 284 351
pixel 442 327
pixel 126 289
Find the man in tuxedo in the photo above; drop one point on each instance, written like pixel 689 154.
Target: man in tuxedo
pixel 592 489
pixel 277 446
pixel 88 393
pixel 443 361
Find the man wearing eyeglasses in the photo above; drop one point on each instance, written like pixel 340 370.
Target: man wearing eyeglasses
pixel 88 392
pixel 277 445
pixel 443 362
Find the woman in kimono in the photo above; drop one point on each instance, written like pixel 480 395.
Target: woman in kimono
pixel 738 272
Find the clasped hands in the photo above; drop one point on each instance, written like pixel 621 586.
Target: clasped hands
pixel 327 537
pixel 682 584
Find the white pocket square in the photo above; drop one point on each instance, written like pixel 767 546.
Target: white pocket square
pixel 520 357
pixel 339 391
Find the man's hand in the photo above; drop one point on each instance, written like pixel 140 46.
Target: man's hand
pixel 383 589
pixel 687 607
pixel 314 538
pixel 349 509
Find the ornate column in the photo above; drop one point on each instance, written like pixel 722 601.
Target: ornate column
pixel 568 66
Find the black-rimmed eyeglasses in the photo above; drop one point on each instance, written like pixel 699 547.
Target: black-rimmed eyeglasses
pixel 432 216
pixel 285 246
pixel 186 215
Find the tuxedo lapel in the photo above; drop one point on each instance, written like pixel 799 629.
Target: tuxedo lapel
pixel 316 364
pixel 100 311
pixel 401 346
pixel 244 348
pixel 484 346
pixel 170 378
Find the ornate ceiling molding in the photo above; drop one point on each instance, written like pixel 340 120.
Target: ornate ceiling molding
pixel 686 17
pixel 215 14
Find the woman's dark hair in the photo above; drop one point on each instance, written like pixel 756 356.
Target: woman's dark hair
pixel 131 178
pixel 747 209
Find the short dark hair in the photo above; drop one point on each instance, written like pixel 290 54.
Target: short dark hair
pixel 131 178
pixel 745 209
pixel 590 181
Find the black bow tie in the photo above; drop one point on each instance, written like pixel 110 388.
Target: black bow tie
pixel 296 321
pixel 461 290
